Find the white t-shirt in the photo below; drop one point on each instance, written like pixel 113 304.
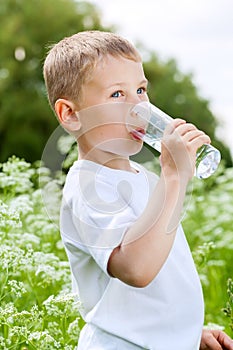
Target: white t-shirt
pixel 99 205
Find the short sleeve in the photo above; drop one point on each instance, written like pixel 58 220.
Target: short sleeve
pixel 100 212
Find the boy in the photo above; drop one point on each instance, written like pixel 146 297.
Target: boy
pixel 129 258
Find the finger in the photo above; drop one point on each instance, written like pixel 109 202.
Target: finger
pixel 182 129
pixel 173 125
pixel 211 343
pixel 200 141
pixel 224 340
pixel 194 134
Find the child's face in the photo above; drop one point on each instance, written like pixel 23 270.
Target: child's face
pixel 116 85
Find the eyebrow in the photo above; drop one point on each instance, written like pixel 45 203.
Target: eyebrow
pixel 144 81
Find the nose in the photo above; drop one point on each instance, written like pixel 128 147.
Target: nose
pixel 136 98
pixel 142 112
pixel 138 116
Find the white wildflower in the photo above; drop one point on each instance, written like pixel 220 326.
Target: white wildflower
pixel 22 204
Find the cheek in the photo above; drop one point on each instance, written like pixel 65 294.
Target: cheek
pixel 106 119
pixel 112 131
pixel 116 139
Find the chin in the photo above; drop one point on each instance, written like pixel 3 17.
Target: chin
pixel 124 148
pixel 132 148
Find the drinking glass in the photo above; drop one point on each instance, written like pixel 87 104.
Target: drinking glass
pixel 207 158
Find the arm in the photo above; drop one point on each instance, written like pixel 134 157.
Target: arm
pixel 215 340
pixel 148 242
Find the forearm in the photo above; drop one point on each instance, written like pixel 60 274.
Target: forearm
pixel 148 242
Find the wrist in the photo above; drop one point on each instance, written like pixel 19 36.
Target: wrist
pixel 175 177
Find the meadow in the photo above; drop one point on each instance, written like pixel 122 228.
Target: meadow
pixel 37 307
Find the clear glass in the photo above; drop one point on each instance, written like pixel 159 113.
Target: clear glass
pixel 208 157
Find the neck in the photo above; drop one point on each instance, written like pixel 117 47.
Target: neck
pixel 109 160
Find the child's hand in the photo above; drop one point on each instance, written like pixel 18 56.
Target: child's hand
pixel 180 143
pixel 215 340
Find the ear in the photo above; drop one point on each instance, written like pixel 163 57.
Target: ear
pixel 67 116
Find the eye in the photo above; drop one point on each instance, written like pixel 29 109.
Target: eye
pixel 116 94
pixel 141 90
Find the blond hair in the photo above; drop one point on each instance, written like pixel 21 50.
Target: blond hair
pixel 70 63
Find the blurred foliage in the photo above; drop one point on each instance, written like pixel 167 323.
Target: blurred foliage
pixel 228 310
pixel 28 27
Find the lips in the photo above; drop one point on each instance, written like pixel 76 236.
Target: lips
pixel 138 134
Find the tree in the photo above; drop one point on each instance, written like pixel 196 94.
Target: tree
pixel 27 28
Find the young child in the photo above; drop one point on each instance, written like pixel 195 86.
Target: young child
pixel 130 262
